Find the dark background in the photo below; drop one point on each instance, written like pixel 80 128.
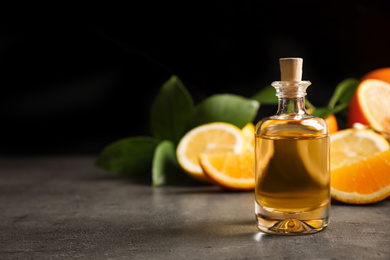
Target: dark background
pixel 74 81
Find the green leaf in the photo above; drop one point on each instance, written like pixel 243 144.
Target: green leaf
pixel 228 108
pixel 266 96
pixel 166 169
pixel 343 92
pixel 171 110
pixel 326 111
pixel 129 157
pixel 340 98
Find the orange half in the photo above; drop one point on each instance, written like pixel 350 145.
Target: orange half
pixel 362 182
pixel 230 171
pixel 381 74
pixel 360 166
pixel 215 137
pixel 370 105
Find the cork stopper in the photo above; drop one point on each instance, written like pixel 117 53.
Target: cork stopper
pixel 291 69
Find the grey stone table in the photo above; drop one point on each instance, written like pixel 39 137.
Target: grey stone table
pixel 64 208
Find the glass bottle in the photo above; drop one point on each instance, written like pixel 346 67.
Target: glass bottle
pixel 292 193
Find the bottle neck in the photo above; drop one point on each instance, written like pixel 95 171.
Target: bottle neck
pixel 291 106
pixel 291 95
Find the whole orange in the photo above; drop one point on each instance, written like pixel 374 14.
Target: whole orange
pixel 332 123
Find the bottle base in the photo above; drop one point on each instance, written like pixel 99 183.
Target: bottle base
pixel 292 224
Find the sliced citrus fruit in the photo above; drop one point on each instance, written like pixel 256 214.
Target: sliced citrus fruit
pixel 231 171
pixel 249 136
pixel 381 74
pixel 365 181
pixel 209 138
pixel 369 105
pixel 332 123
pixel 360 166
pixel 351 145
